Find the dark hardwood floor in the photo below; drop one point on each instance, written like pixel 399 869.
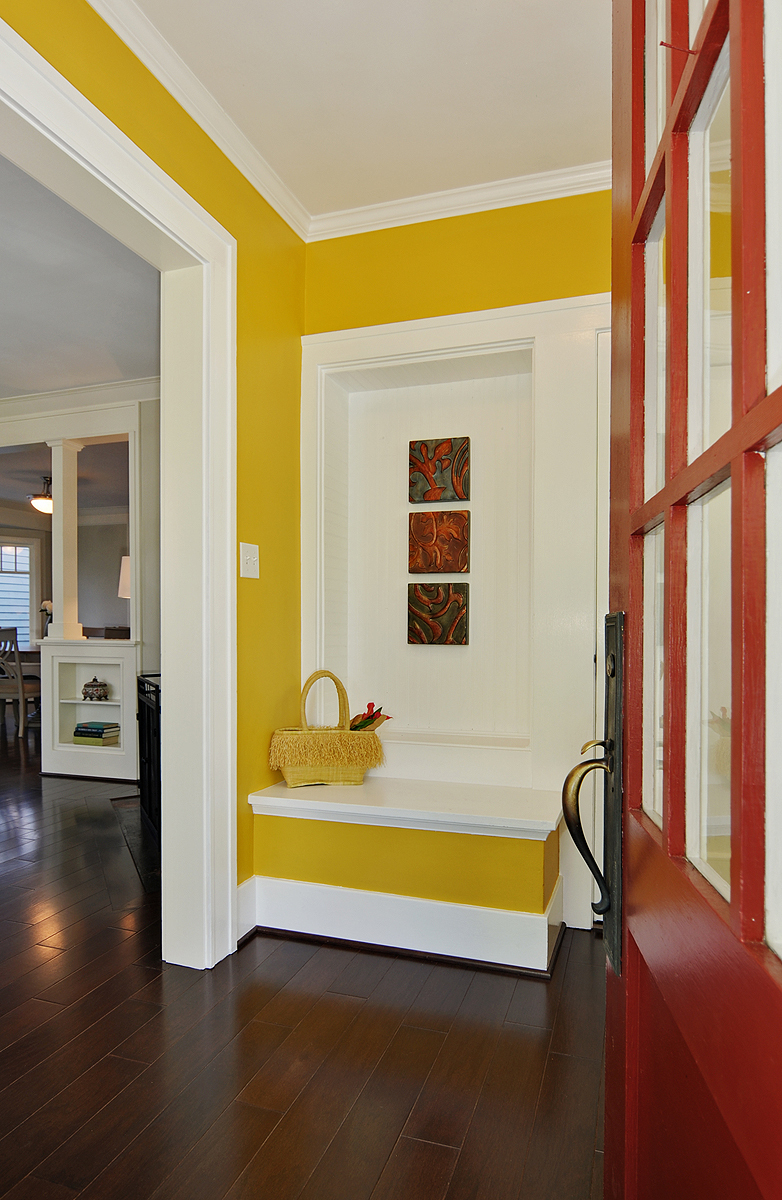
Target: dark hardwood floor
pixel 290 1070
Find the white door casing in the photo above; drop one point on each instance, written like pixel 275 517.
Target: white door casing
pixel 54 134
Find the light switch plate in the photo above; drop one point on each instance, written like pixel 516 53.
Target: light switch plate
pixel 248 561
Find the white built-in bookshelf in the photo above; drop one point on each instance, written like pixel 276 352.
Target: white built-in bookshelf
pixel 65 668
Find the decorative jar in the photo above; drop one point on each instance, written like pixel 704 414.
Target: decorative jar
pixel 95 690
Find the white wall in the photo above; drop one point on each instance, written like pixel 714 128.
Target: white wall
pixel 148 548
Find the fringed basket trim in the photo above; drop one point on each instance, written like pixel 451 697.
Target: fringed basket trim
pixel 329 747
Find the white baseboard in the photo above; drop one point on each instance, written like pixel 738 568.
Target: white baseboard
pixel 489 935
pixel 246 907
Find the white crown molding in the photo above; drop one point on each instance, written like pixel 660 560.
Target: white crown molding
pixel 503 193
pixel 123 391
pixel 150 47
pixel 140 35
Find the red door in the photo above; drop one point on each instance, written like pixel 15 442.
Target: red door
pixel 694 1050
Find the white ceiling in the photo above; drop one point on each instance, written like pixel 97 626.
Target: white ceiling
pixel 76 307
pixel 357 102
pixel 102 474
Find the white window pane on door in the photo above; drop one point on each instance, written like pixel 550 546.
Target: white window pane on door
pixel 655 75
pixel 709 686
pixel 654 672
pixel 773 81
pixel 656 341
pixel 710 271
pixel 774 698
pixel 697 9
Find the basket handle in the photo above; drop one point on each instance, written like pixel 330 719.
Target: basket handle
pixel 344 711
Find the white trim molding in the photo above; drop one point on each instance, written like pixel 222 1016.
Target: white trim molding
pixel 142 37
pixel 55 134
pixel 491 935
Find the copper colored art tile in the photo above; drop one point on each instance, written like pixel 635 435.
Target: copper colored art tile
pixel 439 541
pixel 439 470
pixel 438 614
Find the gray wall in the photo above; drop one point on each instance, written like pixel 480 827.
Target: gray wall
pixel 100 549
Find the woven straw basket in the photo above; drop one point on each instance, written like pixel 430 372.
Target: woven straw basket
pixel 336 754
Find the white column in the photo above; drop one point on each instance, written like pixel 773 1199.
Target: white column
pixel 65 541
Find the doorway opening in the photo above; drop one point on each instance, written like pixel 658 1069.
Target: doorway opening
pixel 60 140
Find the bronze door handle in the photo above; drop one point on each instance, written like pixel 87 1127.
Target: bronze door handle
pixel 572 815
pixel 590 745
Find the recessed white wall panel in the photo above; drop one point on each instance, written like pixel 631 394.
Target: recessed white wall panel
pixel 565 623
pixel 485 685
pixel 333 546
pixel 551 532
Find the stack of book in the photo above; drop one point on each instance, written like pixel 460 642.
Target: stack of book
pixel 96 733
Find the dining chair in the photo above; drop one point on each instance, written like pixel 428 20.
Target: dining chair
pixel 13 684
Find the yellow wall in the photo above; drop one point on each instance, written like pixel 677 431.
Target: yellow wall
pixel 270 316
pixel 491 872
pixel 532 252
pixel 508 256
pixel 720 245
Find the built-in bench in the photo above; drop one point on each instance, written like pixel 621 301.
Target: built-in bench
pixel 463 870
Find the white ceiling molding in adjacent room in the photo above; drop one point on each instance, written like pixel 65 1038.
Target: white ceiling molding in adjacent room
pixel 98 395
pixel 131 22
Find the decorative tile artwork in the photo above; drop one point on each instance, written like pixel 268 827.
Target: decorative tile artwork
pixel 439 470
pixel 439 541
pixel 438 614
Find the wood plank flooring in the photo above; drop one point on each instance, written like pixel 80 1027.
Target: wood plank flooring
pixel 291 1070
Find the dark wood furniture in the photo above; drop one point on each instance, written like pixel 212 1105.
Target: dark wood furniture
pixel 148 716
pixel 15 685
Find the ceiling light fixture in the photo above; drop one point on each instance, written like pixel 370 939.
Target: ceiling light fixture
pixel 43 501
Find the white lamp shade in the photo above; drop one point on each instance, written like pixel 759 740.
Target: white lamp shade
pixel 124 578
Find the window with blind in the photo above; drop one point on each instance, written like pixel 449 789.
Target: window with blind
pixel 15 590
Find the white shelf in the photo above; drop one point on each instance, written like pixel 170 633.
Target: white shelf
pixel 484 809
pixel 79 746
pixel 65 668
